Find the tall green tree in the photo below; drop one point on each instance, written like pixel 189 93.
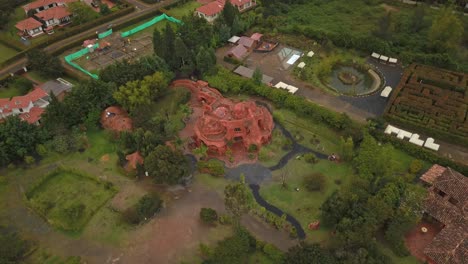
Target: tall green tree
pixel 446 31
pixel 138 93
pixel 166 165
pixel 18 139
pixel 237 198
pixel 346 148
pixel 229 13
pixel 45 64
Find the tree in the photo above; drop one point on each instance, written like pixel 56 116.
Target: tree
pixel 234 249
pixel 22 84
pixel 82 13
pixel 315 182
pixel 446 31
pixel 308 253
pixel 104 9
pixel 347 148
pixel 229 13
pixel 169 46
pixel 257 76
pixel 157 43
pixel 122 72
pixel 237 198
pixel 141 93
pixel 204 60
pixel 183 56
pixel 87 97
pixel 13 246
pixel 148 205
pixel 45 64
pixel 166 165
pixel 208 215
pixel 385 26
pixel 18 139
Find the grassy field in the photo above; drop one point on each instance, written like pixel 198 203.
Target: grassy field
pixel 183 10
pixel 302 204
pixel 68 200
pixel 270 154
pixel 316 136
pixel 6 53
pixel 9 92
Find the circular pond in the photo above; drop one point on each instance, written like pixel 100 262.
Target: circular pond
pixel 351 81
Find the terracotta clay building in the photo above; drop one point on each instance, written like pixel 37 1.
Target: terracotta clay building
pixel 224 122
pixel 116 119
pixel 447 203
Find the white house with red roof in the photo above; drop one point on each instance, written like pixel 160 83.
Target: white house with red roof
pixel 54 16
pixel 29 107
pixel 211 10
pixel 41 5
pixel 45 15
pixel 29 27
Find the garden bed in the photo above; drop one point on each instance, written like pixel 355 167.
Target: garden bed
pixel 68 198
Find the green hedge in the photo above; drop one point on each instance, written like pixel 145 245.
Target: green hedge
pixel 446 136
pixel 419 152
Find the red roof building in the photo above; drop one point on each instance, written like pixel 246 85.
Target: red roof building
pixel 211 10
pixel 57 15
pixel 41 5
pixel 29 107
pixel 223 122
pixel 133 159
pixel 115 118
pixel 447 202
pixel 238 52
pixel 29 27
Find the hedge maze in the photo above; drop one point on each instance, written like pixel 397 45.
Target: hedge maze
pixel 432 100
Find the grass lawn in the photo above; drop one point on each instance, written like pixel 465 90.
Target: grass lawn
pixel 6 53
pixel 304 205
pixel 183 10
pixel 396 259
pixel 316 136
pixel 270 154
pixel 37 77
pixel 68 199
pixel 9 92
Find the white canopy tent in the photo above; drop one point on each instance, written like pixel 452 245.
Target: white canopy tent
pixel 386 91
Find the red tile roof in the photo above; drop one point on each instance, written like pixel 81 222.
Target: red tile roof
pixel 38 3
pixel 33 116
pixel 212 8
pixel 238 51
pixel 240 2
pixel 28 24
pixel 256 36
pixel 57 12
pixel 246 41
pixel 22 101
pixel 134 159
pixel 433 173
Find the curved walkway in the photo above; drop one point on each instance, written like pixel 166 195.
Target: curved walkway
pixel 257 173
pixel 256 193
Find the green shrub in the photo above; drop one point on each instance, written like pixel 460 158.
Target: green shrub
pixel 315 182
pixel 208 215
pixel 148 205
pixel 310 158
pixel 253 148
pixel 415 166
pixel 212 167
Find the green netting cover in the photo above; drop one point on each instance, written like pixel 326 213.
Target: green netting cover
pixel 105 34
pixel 149 24
pixel 69 59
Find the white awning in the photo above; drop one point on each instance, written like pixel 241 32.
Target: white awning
pixel 386 91
pixel 375 55
pixel 293 59
pixel 281 85
pixel 383 58
pixel 234 39
pixel 310 54
pixel 392 60
pixel 292 89
pixel 301 65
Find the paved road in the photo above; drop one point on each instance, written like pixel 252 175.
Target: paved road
pixel 141 10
